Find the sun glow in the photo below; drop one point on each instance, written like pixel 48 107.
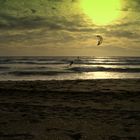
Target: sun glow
pixel 102 12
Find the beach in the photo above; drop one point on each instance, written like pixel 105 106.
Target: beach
pixel 70 110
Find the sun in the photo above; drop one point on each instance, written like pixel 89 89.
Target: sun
pixel 102 12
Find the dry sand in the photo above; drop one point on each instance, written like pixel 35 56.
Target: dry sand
pixel 70 110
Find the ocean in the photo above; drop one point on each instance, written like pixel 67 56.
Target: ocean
pixel 59 68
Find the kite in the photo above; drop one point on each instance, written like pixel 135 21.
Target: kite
pixel 100 40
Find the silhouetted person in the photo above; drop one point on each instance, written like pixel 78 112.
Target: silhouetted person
pixel 78 58
pixel 71 63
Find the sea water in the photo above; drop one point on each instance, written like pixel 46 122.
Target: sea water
pixel 59 68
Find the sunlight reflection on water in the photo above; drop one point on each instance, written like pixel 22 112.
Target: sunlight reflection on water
pixel 58 68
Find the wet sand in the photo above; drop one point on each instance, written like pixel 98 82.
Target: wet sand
pixel 70 110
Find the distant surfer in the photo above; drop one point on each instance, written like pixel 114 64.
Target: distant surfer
pixel 71 63
pixel 78 58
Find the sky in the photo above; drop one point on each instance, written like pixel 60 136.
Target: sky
pixel 67 28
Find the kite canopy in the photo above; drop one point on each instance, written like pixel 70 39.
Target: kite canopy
pixel 100 40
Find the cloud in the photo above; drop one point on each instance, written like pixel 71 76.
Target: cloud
pixel 131 5
pixel 7 21
pixel 56 24
pixel 124 34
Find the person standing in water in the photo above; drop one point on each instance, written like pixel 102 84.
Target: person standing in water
pixel 71 63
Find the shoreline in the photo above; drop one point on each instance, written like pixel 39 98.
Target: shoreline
pixel 87 85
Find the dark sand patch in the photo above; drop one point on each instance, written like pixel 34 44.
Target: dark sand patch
pixel 70 110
